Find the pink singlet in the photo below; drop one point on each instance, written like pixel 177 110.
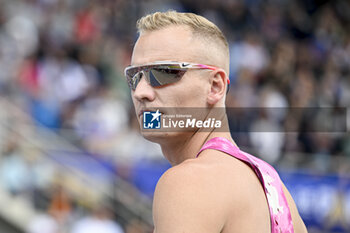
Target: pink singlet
pixel 281 220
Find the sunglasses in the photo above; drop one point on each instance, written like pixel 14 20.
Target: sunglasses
pixel 158 74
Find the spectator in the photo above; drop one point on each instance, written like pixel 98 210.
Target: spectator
pixel 100 221
pixel 14 170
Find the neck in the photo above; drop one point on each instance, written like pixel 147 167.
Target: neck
pixel 185 146
pixel 188 147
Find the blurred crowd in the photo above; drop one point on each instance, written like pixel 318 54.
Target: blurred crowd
pixel 62 61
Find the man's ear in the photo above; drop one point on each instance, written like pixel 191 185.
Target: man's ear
pixel 218 83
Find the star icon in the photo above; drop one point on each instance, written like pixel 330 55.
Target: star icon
pixel 156 115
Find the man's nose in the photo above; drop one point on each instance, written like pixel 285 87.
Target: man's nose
pixel 144 91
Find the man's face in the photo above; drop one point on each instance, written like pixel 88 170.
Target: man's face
pixel 174 43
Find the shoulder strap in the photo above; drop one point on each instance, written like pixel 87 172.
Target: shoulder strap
pixel 224 145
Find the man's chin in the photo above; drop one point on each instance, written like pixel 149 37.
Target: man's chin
pixel 153 136
pixel 160 137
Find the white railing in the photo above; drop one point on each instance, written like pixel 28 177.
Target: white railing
pixel 16 122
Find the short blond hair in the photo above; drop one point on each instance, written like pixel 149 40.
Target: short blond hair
pixel 199 25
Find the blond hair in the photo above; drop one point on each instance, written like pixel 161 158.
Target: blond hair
pixel 199 25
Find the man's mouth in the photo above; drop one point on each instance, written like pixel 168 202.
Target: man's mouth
pixel 144 110
pixel 140 113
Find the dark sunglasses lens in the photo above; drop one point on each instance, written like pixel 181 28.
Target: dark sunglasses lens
pixel 163 76
pixel 133 77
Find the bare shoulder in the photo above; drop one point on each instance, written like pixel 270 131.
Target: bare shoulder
pixel 201 194
pixel 215 174
pixel 184 202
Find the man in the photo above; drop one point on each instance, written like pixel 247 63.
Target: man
pixel 182 60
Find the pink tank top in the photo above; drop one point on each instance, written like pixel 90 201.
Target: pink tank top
pixel 281 220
